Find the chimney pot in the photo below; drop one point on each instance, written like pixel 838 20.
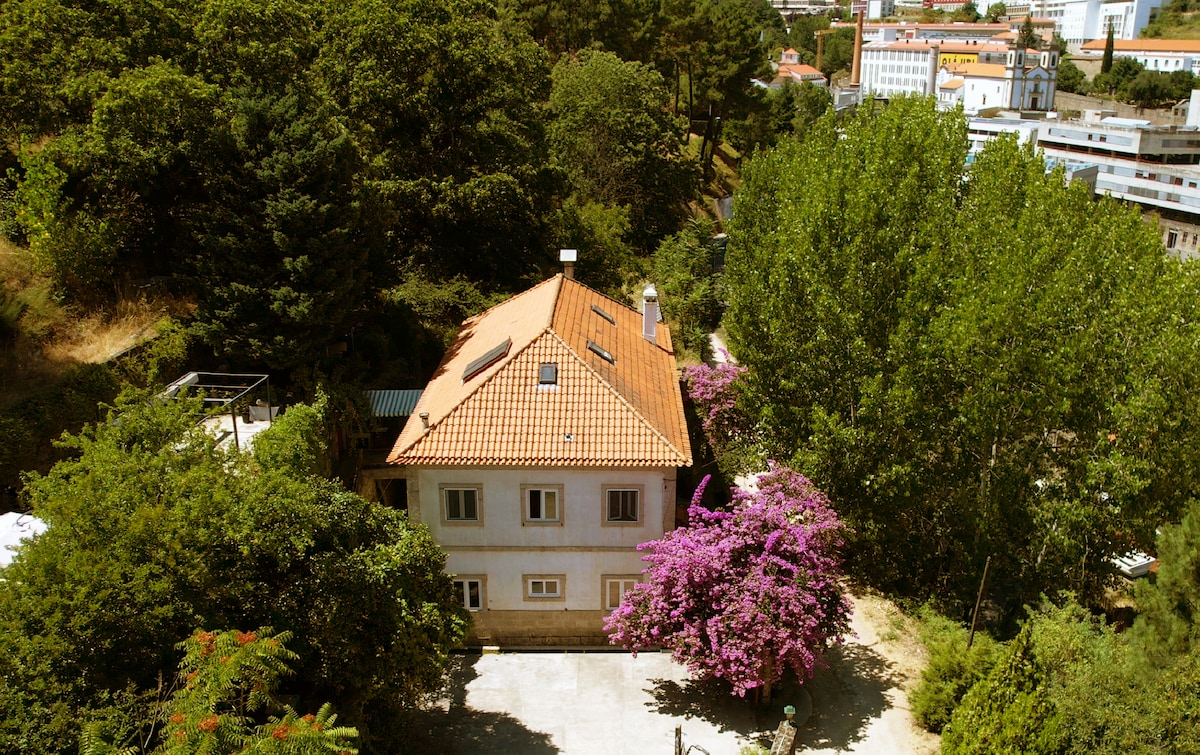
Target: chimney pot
pixel 424 419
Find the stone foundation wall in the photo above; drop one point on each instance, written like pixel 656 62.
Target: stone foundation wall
pixel 510 628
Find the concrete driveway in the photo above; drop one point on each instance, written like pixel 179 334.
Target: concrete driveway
pixel 610 703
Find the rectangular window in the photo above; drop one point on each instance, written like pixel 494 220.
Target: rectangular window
pixel 1172 238
pixel 543 504
pixel 470 592
pixel 622 504
pixel 545 586
pixel 615 589
pixel 460 504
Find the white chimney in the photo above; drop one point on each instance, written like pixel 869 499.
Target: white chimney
pixel 568 257
pixel 650 314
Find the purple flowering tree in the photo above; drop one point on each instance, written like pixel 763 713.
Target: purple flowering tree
pixel 743 594
pixel 714 391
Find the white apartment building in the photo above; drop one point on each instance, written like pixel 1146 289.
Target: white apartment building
pixel 1155 167
pixel 1078 21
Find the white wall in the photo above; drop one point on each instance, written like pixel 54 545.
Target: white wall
pixel 503 547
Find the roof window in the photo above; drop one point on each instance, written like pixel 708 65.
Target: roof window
pixel 477 366
pixel 548 374
pixel 604 314
pixel 596 349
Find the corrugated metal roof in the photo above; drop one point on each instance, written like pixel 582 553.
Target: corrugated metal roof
pixel 392 403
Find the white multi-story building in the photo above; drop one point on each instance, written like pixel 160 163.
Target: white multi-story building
pixel 1166 55
pixel 1078 21
pixel 1155 167
pixel 975 76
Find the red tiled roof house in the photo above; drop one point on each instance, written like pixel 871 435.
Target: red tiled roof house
pixel 544 449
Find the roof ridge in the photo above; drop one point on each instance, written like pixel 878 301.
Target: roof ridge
pixel 620 397
pixel 479 315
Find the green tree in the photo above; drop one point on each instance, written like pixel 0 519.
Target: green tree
pixel 904 353
pixel 1106 62
pixel 450 112
pixel 287 247
pixel 1168 625
pixel 996 12
pixel 1028 38
pixel 224 703
pixel 613 135
pixel 1070 78
pixel 155 530
pixel 1148 89
pixel 968 13
pixel 688 285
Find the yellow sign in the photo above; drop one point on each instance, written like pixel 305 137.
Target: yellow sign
pixel 950 58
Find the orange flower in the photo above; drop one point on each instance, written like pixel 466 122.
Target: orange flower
pixel 210 724
pixel 280 733
pixel 245 638
pixel 224 659
pixel 176 718
pixel 181 733
pixel 308 719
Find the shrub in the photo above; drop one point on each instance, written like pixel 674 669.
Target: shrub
pixel 952 669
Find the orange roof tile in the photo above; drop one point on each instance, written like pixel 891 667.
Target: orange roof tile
pixel 1145 45
pixel 625 414
pixel 954 83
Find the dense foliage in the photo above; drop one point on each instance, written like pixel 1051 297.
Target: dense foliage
pixel 992 366
pixel 745 594
pixel 225 702
pixel 155 530
pixel 291 165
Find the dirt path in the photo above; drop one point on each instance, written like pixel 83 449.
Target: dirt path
pixel 860 703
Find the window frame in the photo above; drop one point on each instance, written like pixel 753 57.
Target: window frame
pixel 465 580
pixel 528 595
pixel 528 520
pixel 638 520
pixel 606 579
pixel 444 504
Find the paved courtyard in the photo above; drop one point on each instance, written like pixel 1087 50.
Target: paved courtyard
pixel 610 703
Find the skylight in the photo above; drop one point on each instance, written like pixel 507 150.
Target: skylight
pixel 596 349
pixel 548 374
pixel 604 314
pixel 477 366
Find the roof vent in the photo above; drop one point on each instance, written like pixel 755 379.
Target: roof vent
pixel 596 349
pixel 477 366
pixel 604 314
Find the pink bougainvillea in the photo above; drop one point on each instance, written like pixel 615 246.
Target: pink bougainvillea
pixel 747 593
pixel 714 391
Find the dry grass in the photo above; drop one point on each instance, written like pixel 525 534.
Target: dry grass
pixel 55 337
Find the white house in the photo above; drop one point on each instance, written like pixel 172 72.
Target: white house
pixel 542 452
pixel 791 69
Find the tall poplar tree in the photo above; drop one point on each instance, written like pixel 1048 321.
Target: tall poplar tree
pixel 997 366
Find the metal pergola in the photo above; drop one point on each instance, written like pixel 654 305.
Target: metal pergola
pixel 223 390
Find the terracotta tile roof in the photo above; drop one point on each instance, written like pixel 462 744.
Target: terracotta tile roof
pixel 982 70
pixel 623 414
pixel 1145 45
pixel 952 84
pixel 801 71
